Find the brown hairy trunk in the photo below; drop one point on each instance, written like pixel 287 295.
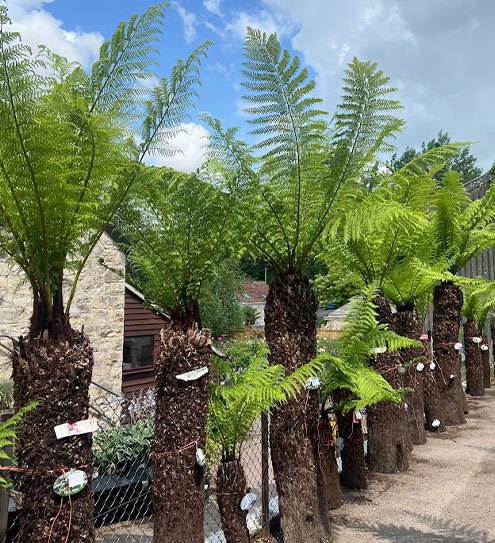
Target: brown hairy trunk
pixel 447 307
pixel 329 471
pixel 56 373
pixel 180 428
pixel 389 441
pixel 231 488
pixel 485 357
pixel 406 323
pixel 290 328
pixel 353 474
pixel 474 362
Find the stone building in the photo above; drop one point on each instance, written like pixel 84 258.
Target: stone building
pixel 123 333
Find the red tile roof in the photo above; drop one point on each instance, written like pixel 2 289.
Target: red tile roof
pixel 254 292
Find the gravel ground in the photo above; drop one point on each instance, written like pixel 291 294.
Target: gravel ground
pixel 447 496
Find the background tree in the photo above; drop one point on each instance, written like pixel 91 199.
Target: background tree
pixel 181 230
pixel 67 160
pixel 219 305
pixel 463 162
pixel 248 388
pixel 302 173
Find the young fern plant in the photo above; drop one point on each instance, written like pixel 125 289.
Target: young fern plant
pixel 8 433
pixel 352 384
pixel 234 405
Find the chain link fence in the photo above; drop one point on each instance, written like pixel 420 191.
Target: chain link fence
pixel 122 477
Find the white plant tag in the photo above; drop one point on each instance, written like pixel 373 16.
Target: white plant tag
pixel 200 457
pixel 192 375
pixel 248 501
pixel 458 346
pixel 313 383
pixel 435 423
pixel 70 483
pixel 476 340
pixel 433 366
pixel 68 429
pixel 420 367
pixel 484 347
pixel 380 350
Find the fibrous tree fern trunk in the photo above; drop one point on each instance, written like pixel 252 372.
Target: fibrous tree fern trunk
pixel 389 441
pixel 474 362
pixel 353 474
pixel 180 428
pixel 328 475
pixel 56 373
pixel 290 328
pixel 407 324
pixel 447 308
pixel 231 488
pixel 485 357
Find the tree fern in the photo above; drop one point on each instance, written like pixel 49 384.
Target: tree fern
pixel 303 166
pixel 67 156
pixel 177 242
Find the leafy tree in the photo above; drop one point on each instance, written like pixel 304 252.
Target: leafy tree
pixel 246 391
pixel 304 170
pixel 463 162
pixel 219 306
pixel 181 228
pixel 68 158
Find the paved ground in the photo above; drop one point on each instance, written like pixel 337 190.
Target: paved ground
pixel 447 496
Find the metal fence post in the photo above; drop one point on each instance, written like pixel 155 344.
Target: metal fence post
pixel 265 474
pixel 4 496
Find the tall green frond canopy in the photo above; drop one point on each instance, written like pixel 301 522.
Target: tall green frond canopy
pixel 248 390
pixel 479 300
pixel 125 61
pixel 302 168
pixel 180 229
pixel 67 155
pixel 169 104
pixel 460 228
pixel 365 123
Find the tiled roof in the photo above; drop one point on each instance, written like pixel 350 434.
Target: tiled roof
pixel 254 292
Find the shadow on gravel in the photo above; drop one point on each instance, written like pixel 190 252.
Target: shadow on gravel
pixel 435 531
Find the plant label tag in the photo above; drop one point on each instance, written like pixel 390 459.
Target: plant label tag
pixel 68 429
pixel 70 483
pixel 192 375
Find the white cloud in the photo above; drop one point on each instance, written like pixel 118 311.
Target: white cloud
pixel 264 20
pixel 213 6
pixel 436 53
pixel 191 142
pixel 189 21
pixel 38 26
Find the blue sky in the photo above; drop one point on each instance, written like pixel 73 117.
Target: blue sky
pixel 438 53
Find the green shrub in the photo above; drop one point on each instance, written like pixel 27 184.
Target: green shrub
pixel 123 448
pixel 250 315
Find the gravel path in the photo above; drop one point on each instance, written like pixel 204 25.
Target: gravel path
pixel 447 496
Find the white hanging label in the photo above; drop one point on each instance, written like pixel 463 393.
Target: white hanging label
pixel 68 429
pixel 192 375
pixel 248 501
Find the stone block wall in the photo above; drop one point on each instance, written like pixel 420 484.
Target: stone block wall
pixel 98 305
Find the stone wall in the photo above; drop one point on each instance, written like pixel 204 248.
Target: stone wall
pixel 98 305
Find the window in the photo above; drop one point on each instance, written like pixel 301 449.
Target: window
pixel 138 353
